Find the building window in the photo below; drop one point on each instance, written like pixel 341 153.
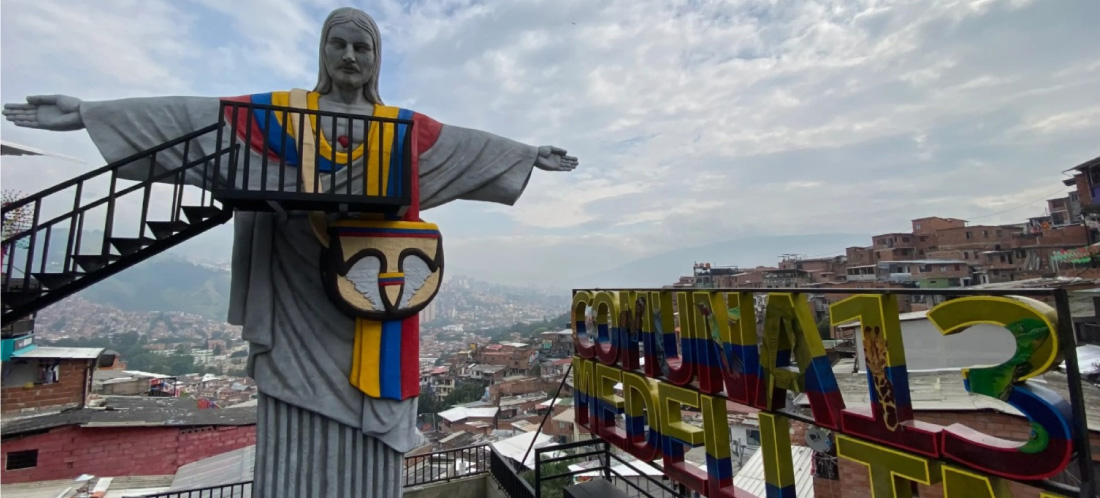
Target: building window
pixel 985 234
pixel 917 226
pixel 905 239
pixel 753 436
pixel 969 235
pixel 27 459
pixel 1000 232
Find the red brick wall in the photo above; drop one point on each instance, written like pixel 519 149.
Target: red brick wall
pixel 69 390
pixel 1085 196
pixel 855 481
pixel 955 238
pixel 67 452
pixel 859 256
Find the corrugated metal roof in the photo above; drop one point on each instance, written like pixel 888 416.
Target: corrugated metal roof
pixel 67 353
pixel 516 447
pixel 461 413
pixel 751 476
pixel 227 468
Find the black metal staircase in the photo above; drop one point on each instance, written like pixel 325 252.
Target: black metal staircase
pixel 52 258
pixel 35 277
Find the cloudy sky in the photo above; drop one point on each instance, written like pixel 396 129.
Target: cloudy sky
pixel 695 121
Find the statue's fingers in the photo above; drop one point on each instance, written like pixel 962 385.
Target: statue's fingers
pixel 18 107
pixel 557 150
pixel 43 99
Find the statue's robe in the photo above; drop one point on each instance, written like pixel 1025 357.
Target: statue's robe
pixel 317 434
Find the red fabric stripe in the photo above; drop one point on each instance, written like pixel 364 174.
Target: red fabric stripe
pixel 244 119
pixel 427 132
pixel 410 357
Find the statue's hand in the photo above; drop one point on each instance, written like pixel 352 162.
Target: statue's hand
pixel 46 112
pixel 554 159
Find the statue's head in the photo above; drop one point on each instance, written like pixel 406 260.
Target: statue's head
pixel 351 53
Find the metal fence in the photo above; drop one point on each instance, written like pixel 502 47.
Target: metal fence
pixel 636 479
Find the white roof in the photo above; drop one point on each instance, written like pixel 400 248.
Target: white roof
pixel 514 344
pixel 751 476
pixel 462 413
pixel 67 353
pixel 515 447
pixel 621 470
pixel 1088 359
pixel 569 415
pixel 902 317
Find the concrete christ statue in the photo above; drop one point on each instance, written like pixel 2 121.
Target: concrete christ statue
pixel 318 434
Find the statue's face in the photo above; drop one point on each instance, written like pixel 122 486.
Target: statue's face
pixel 349 56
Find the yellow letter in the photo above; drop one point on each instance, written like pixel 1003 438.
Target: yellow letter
pixel 889 469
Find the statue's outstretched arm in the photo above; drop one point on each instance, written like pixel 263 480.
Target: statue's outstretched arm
pixel 552 158
pixel 46 112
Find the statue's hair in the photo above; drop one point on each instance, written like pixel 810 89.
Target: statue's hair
pixel 361 20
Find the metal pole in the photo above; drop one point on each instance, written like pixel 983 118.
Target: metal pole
pixel 553 402
pixel 1076 395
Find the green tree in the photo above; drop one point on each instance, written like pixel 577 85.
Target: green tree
pixel 552 488
pixel 218 350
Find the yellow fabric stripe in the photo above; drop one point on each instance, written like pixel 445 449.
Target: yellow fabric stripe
pixel 324 145
pixel 281 99
pixel 370 361
pixel 391 274
pixel 388 134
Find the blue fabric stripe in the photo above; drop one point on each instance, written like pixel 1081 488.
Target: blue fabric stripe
pixel 397 157
pixel 413 231
pixel 390 359
pixel 270 126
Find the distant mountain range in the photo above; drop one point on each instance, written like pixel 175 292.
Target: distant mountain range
pixel 667 267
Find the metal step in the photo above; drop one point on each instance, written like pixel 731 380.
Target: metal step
pixel 55 280
pixel 164 229
pixel 93 262
pixel 130 245
pixel 18 297
pixel 196 214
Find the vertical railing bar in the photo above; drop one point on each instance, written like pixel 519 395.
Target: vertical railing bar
pixel 79 235
pixel 181 181
pixel 232 180
pixel 365 168
pixel 350 132
pixel 334 142
pixel 381 134
pixel 109 227
pixel 148 194
pixel 45 249
pixel 301 157
pixel 29 264
pixel 250 119
pixel 1076 394
pixel 315 129
pixel 538 470
pixel 282 153
pixel 264 149
pixel 217 147
pixel 66 265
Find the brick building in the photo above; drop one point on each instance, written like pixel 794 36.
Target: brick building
pixel 137 436
pixel 47 379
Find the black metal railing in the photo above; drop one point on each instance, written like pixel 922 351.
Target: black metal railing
pixel 53 257
pixel 363 164
pixel 508 478
pixel 634 478
pixel 447 465
pixel 235 490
